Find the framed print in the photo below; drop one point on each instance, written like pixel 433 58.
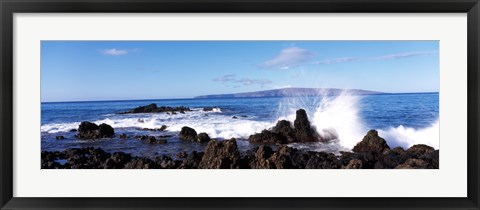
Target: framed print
pixel 239 105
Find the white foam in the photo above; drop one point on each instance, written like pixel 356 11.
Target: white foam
pixel 215 125
pixel 406 137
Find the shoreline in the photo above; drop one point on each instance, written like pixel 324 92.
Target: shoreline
pixel 370 153
pixel 272 152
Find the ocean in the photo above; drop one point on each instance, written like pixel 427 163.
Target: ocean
pixel 401 119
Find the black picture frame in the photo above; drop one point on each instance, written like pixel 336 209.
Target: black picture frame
pixel 10 7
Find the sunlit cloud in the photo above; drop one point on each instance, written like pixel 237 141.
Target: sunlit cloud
pixel 117 52
pixel 232 79
pixel 288 58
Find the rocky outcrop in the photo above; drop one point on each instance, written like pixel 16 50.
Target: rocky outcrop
pixel 88 130
pixel 267 137
pixel 284 133
pixel 221 155
pixel 371 143
pixel 303 130
pixel 153 108
pixel 285 130
pixel 190 134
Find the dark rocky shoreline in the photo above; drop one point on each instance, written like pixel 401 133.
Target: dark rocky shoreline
pixel 372 152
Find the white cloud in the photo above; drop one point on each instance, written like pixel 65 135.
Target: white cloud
pixel 289 58
pixel 246 81
pixel 231 78
pixel 116 52
pixel 375 58
pixel 225 78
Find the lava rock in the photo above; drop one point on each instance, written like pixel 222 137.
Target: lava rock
pixel 192 160
pixel 220 155
pixel 153 108
pixel 353 164
pixel 303 130
pixel 106 131
pixel 371 143
pixel 182 154
pixel 203 138
pixel 188 133
pixel 88 130
pixel 285 129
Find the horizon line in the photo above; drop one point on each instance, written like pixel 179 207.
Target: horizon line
pixel 151 99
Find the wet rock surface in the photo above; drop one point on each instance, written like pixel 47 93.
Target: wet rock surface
pixel 89 130
pixel 153 108
pixel 283 132
pixel 372 152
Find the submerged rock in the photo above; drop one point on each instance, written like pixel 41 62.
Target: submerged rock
pixel 59 137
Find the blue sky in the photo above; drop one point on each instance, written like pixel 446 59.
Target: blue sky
pixel 121 70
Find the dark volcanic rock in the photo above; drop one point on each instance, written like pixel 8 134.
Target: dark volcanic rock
pixel 284 133
pixel 267 137
pixel 88 130
pixel 123 136
pixel 141 163
pixel 303 130
pixel 420 149
pixel 220 155
pixel 261 157
pixel 414 164
pixel 353 164
pixel 105 131
pixel 166 162
pixel 192 160
pixel 392 158
pixel 322 160
pixel 117 160
pixel 153 108
pixel 87 127
pixel 188 133
pixel 203 138
pixel 182 154
pixel 371 143
pixel 285 129
pixel 162 128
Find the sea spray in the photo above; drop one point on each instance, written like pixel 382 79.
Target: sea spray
pixel 406 137
pixel 337 117
pixel 334 116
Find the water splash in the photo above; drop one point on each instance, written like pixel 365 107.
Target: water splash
pixel 338 117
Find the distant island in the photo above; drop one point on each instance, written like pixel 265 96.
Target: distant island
pixel 291 92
